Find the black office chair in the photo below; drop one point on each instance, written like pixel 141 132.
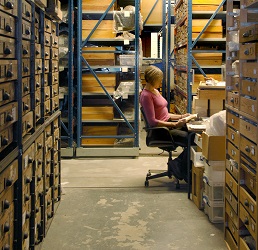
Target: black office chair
pixel 161 138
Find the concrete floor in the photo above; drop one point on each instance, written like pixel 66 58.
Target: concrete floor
pixel 105 206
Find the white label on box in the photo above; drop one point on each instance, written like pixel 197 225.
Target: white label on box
pixel 126 42
pixel 232 121
pixel 127 13
pixel 125 96
pixel 232 137
pixel 124 69
pixel 26 161
pixel 249 89
pixel 254 71
pixel 252 108
pixel 14 113
pixel 252 150
pixel 120 28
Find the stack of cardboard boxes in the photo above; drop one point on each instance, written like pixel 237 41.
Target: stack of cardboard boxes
pixel 208 175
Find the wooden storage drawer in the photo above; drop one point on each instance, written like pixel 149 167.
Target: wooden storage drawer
pixel 48 132
pixel 233 120
pixel 249 88
pixel 247 176
pixel 55 66
pixel 231 214
pixel 25 86
pixel 54 41
pixel 38 81
pixel 26 67
pixel 41 3
pixel 37 97
pixel 232 228
pixel 8 178
pixel 56 135
pixel 233 99
pixel 8 24
pixel 6 224
pixel 26 30
pixel 48 144
pixel 7 48
pixel 46 66
pixel 27 123
pixel 37 113
pixel 54 53
pixel 242 243
pixel 232 184
pixel 38 50
pixel 104 30
pixel 231 199
pixel 36 35
pixel 233 136
pixel 37 19
pixel 47 25
pixel 248 129
pixel 249 69
pixel 47 106
pixel 249 106
pixel 230 240
pixel 47 92
pixel 55 90
pixel 55 78
pixel 248 34
pixel 10 6
pixel 6 137
pixel 248 221
pixel 7 92
pixel 47 53
pixel 39 143
pixel 47 39
pixel 248 202
pixel 232 167
pixel 8 69
pixel 28 157
pixel 55 102
pixel 56 123
pixel 248 148
pixel 248 51
pixel 8 114
pixel 233 152
pixel 6 199
pixel 26 104
pixel 56 193
pixel 26 11
pixel 53 28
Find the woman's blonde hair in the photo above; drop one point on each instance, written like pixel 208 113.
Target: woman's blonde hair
pixel 153 74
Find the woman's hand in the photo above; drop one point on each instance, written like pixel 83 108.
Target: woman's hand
pixel 185 115
pixel 180 123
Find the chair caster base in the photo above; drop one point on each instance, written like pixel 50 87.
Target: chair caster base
pixel 146 184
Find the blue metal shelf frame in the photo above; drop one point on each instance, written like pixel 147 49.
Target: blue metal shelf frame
pixel 80 59
pixel 190 49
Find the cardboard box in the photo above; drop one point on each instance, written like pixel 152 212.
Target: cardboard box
pixel 197 186
pixel 213 147
pixel 156 15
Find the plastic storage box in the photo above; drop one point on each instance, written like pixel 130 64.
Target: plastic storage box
pixel 215 170
pixel 214 210
pixel 127 60
pixel 213 190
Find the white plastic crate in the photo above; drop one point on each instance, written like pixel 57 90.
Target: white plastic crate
pixel 213 190
pixel 214 210
pixel 215 170
pixel 127 60
pixel 196 157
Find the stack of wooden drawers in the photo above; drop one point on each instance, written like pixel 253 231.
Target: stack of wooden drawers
pixel 241 173
pixel 28 107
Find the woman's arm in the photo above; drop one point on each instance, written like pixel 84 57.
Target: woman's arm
pixel 177 116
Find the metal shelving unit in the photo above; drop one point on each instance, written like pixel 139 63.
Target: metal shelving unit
pixel 82 65
pixel 190 64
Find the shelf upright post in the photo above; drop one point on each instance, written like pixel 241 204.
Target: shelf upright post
pixel 189 58
pixel 164 52
pixel 136 87
pixel 70 73
pixel 168 52
pixel 79 72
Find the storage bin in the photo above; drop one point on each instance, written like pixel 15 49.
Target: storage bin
pixel 127 60
pixel 214 210
pixel 196 157
pixel 213 190
pixel 215 170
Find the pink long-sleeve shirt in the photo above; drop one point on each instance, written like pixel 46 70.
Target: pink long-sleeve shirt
pixel 155 107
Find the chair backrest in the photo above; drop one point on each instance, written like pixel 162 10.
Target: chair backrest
pixel 158 136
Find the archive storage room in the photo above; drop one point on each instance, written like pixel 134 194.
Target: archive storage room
pixel 128 124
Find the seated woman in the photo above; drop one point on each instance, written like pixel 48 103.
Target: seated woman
pixel 155 108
